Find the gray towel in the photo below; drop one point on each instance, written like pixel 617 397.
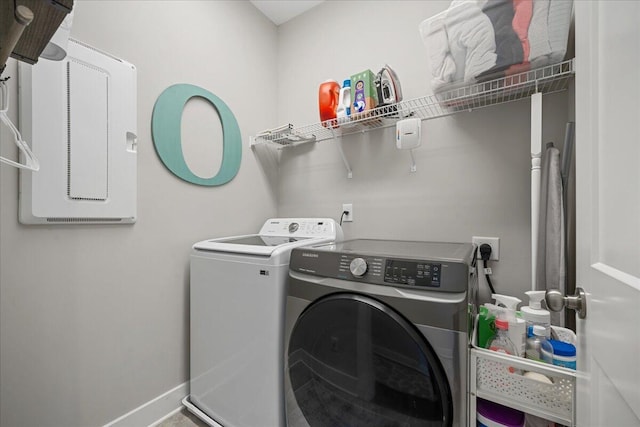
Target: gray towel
pixel 551 270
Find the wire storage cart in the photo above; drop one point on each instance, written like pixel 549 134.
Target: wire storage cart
pixel 501 378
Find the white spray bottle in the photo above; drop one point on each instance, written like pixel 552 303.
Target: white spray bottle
pixel 534 314
pixel 344 100
pixel 517 326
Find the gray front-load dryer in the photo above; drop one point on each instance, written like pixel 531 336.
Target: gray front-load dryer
pixel 377 334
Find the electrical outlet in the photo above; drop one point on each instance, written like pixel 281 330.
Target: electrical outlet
pixel 494 242
pixel 347 207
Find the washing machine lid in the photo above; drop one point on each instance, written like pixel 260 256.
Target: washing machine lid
pixel 253 244
pixel 275 236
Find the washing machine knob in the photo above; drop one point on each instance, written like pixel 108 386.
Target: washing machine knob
pixel 358 267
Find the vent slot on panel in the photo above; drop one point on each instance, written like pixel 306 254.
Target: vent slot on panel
pixel 87 132
pixel 84 220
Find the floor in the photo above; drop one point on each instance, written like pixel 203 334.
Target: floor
pixel 184 418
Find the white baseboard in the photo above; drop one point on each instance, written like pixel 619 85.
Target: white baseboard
pixel 155 410
pixel 198 413
pixel 169 415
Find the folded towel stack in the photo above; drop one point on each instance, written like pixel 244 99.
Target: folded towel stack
pixel 478 40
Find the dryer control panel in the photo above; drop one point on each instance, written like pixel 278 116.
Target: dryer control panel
pixel 390 270
pixel 412 273
pixel 440 274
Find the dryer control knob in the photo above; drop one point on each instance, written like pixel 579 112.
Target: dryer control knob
pixel 358 267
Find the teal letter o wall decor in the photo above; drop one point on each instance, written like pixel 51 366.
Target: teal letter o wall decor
pixel 166 133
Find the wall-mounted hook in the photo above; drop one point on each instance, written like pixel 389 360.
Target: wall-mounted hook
pixel 22 17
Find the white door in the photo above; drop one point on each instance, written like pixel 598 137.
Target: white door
pixel 608 210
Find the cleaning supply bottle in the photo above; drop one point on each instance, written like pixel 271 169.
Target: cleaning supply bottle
pixel 534 314
pixel 501 342
pixel 564 354
pixel 517 325
pixel 344 99
pixel 538 346
pixel 486 327
pixel 486 322
pixel 328 94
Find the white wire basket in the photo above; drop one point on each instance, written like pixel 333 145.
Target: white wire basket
pixel 501 379
pixel 549 79
pixel 504 379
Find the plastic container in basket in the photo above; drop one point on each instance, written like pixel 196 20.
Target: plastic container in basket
pixel 480 40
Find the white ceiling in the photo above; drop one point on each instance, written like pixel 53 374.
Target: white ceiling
pixel 280 11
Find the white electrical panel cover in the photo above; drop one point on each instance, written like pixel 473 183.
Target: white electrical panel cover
pixel 79 115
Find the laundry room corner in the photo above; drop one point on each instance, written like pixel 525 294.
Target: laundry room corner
pixel 94 318
pixel 472 171
pixel 99 321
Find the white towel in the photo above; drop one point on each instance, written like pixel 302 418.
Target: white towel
pixel 461 44
pixel 549 31
pixel 559 19
pixel 434 35
pixel 538 35
pixel 471 40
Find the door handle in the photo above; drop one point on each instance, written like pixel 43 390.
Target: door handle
pixel 578 301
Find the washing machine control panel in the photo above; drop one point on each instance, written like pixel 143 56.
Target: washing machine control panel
pixel 301 228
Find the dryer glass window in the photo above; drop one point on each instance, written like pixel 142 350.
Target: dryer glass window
pixel 352 361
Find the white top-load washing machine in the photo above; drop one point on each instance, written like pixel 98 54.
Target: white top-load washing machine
pixel 237 321
pixel 377 334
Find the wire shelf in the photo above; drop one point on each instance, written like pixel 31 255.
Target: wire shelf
pixel 549 79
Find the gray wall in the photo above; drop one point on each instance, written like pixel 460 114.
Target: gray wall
pixel 473 169
pixel 94 319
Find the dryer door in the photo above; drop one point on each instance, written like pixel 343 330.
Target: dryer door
pixel 353 361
